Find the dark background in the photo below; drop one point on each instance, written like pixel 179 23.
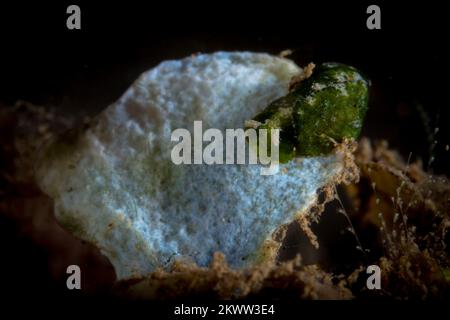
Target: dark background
pixel 43 62
pixel 82 71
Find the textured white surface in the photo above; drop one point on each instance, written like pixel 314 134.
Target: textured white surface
pixel 114 184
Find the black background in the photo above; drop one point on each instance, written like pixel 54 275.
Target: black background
pixel 43 62
pixel 82 71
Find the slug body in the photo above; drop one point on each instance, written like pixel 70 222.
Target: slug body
pixel 328 106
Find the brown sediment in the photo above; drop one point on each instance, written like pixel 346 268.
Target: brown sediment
pixel 411 210
pixel 219 281
pixel 349 174
pixel 305 74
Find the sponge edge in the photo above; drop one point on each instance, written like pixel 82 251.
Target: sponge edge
pixel 114 185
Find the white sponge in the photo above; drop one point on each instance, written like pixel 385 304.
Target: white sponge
pixel 114 183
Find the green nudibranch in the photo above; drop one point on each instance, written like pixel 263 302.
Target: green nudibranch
pixel 328 106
